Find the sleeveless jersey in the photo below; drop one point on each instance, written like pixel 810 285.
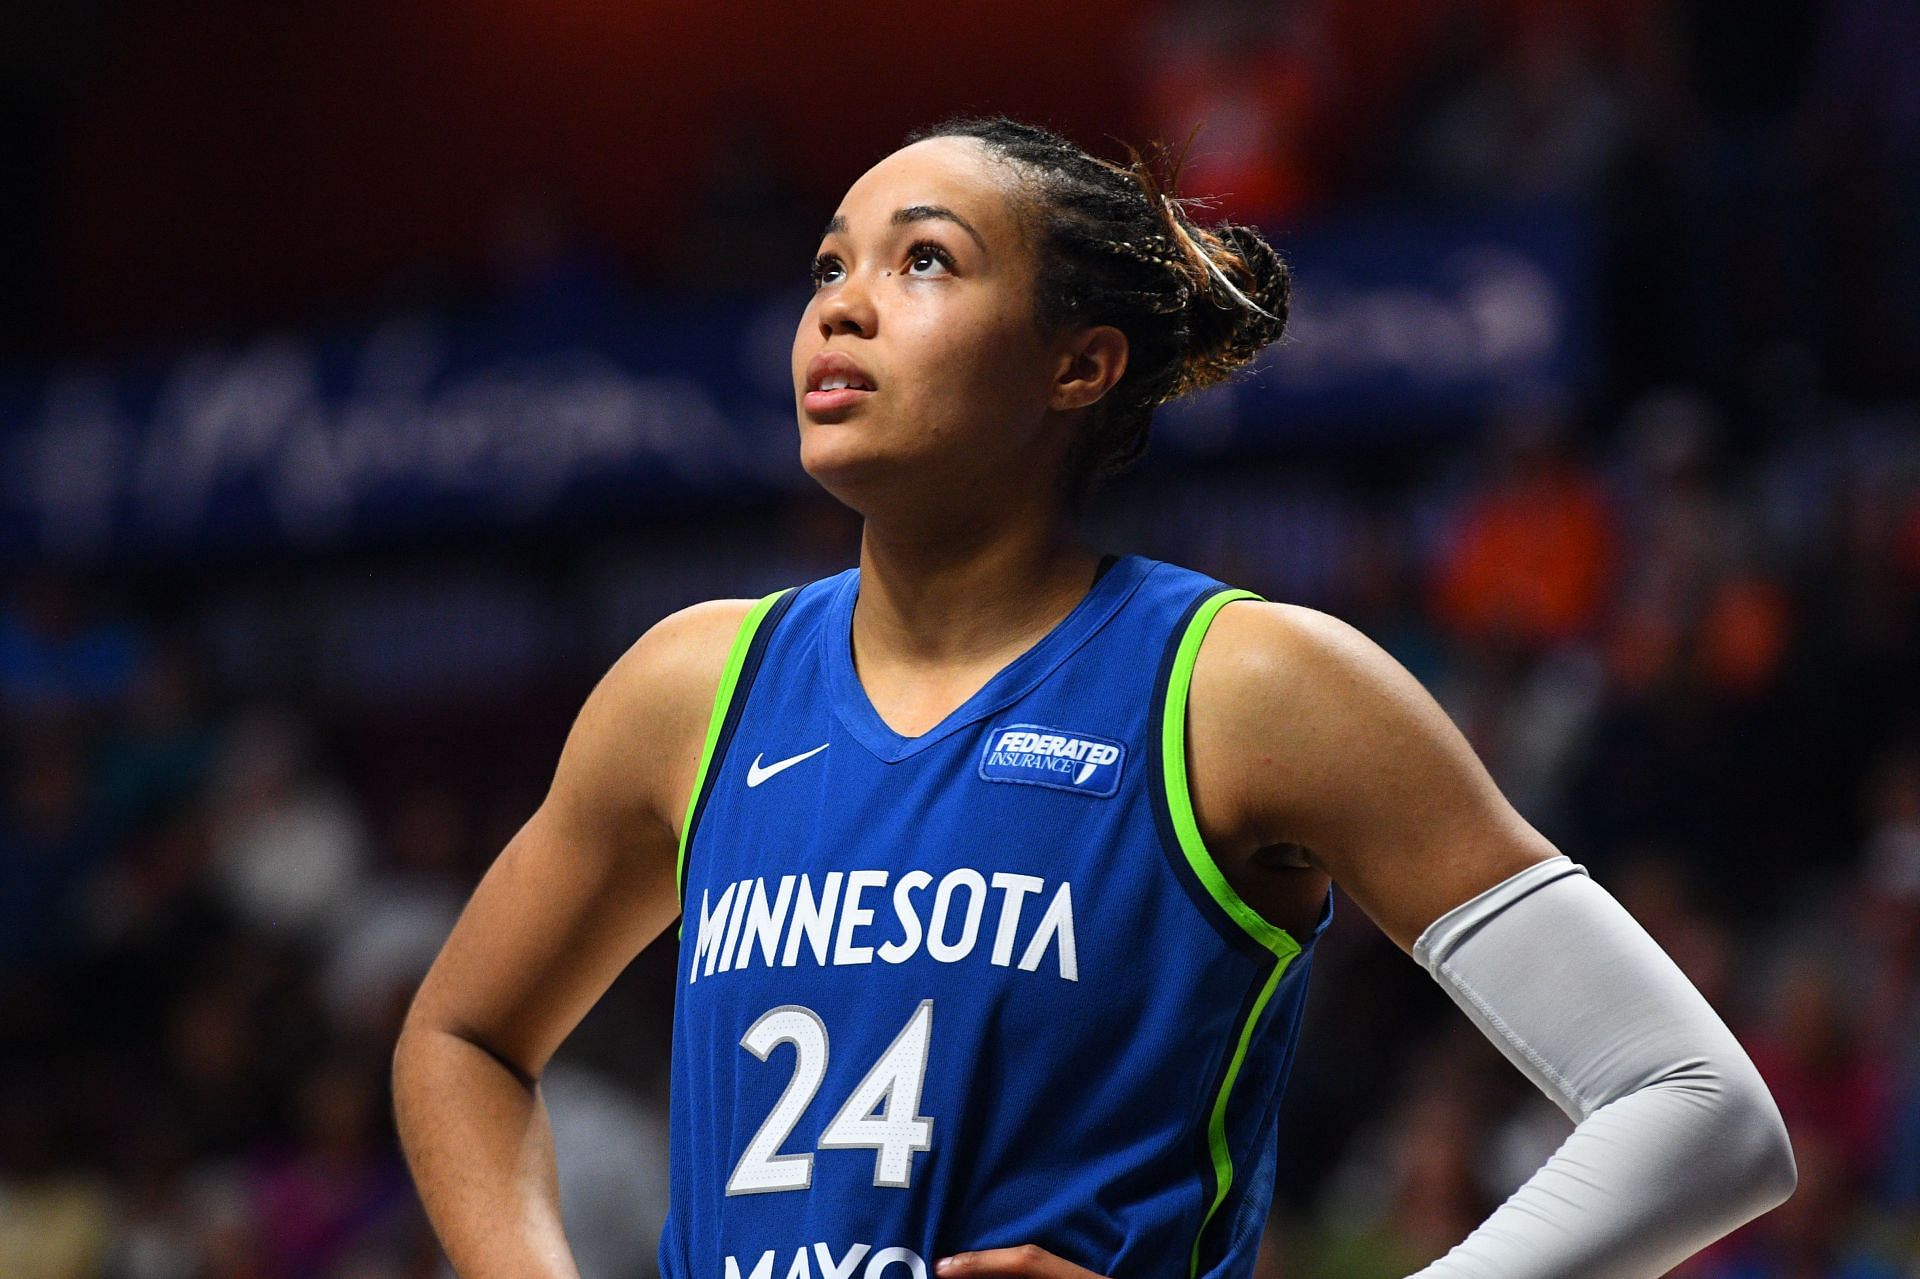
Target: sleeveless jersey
pixel 981 987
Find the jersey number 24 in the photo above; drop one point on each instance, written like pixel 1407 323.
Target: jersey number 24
pixel 891 1086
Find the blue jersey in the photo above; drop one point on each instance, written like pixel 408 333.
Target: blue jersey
pixel 980 987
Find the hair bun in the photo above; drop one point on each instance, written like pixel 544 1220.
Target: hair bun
pixel 1239 305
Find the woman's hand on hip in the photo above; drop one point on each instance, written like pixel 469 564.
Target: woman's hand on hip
pixel 1030 1261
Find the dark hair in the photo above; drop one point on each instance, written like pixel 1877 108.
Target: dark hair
pixel 1116 246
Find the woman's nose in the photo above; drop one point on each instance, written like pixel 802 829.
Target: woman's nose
pixel 849 310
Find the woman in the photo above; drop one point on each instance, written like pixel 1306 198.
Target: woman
pixel 1002 862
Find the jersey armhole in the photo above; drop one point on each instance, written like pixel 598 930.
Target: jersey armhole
pixel 745 651
pixel 1236 921
pixel 1178 799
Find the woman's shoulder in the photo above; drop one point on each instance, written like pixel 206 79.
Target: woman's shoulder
pixel 681 657
pixel 659 692
pixel 1307 732
pixel 1254 639
pixel 1264 665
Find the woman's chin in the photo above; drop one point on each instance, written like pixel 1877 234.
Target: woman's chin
pixel 834 454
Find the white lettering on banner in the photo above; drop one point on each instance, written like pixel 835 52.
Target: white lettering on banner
pixel 516 432
pixel 319 434
pixel 1493 309
pixel 745 925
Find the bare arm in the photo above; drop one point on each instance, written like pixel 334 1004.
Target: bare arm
pixel 1303 731
pixel 575 895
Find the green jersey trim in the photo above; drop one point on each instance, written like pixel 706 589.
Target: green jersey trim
pixel 1173 754
pixel 722 702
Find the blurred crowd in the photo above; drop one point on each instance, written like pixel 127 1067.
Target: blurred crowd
pixel 1677 614
pixel 1757 166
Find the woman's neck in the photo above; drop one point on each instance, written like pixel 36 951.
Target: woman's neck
pixel 957 597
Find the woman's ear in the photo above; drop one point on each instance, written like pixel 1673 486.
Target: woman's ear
pixel 1091 364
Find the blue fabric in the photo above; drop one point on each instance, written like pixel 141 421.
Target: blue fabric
pixel 1085 991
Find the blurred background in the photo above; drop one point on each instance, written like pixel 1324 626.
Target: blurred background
pixel 372 374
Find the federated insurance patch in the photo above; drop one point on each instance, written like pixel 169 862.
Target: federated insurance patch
pixel 1042 756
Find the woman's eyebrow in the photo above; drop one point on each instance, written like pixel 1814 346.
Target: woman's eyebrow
pixel 913 213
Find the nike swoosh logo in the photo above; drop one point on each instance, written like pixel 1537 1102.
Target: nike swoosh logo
pixel 756 773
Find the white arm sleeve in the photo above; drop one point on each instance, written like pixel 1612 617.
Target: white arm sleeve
pixel 1676 1140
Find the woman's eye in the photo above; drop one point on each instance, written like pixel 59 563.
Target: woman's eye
pixel 827 269
pixel 920 254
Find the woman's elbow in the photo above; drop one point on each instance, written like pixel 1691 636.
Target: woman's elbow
pixel 1771 1174
pixel 1776 1174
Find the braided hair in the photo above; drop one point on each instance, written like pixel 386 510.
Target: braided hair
pixel 1117 246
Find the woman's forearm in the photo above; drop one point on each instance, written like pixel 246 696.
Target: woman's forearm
pixel 1677 1140
pixel 476 1136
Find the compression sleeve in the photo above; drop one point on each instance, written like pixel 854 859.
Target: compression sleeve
pixel 1676 1140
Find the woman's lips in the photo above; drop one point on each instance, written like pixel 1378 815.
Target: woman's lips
pixel 831 401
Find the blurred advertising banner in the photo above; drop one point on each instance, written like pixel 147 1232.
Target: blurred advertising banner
pixel 572 402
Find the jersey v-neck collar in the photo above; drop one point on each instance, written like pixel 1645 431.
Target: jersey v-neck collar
pixel 1012 682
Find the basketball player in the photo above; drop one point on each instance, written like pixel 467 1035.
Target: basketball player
pixel 1000 862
